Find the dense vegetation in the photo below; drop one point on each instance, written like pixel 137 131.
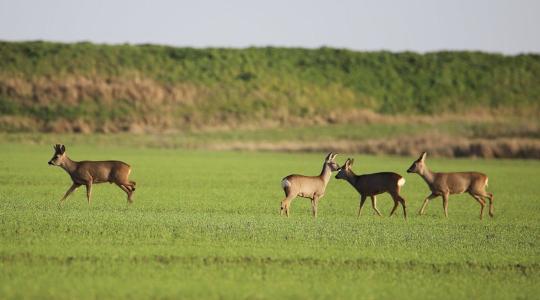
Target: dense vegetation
pixel 113 87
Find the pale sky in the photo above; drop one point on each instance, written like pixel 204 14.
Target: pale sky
pixel 507 26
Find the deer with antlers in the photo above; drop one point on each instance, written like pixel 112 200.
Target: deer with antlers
pixel 371 185
pixel 88 173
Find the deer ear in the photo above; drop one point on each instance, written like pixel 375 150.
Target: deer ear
pixel 333 156
pixel 62 149
pixel 352 162
pixel 423 156
pixel 329 156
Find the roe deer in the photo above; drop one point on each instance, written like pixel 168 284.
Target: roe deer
pixel 311 187
pixel 90 172
pixel 374 184
pixel 444 184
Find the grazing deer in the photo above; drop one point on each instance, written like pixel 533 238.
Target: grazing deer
pixel 374 184
pixel 90 172
pixel 311 187
pixel 444 184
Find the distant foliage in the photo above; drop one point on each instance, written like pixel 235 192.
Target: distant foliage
pixel 261 83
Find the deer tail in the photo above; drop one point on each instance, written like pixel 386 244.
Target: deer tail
pixel 286 185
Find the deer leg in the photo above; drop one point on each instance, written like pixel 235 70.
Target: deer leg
pixel 287 207
pixel 445 204
pixel 286 204
pixel 482 204
pixel 88 191
pixel 362 201
pixel 426 201
pixel 130 195
pixel 491 208
pixel 374 204
pixel 127 191
pixel 402 201
pixel 314 205
pixel 69 191
pixel 130 188
pixel 132 185
pixel 489 196
pixel 283 206
pixel 397 200
pixel 396 203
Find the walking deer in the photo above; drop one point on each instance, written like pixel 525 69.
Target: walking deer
pixel 374 184
pixel 311 187
pixel 91 172
pixel 445 184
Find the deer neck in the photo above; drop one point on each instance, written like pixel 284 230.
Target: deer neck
pixel 351 177
pixel 427 175
pixel 326 173
pixel 69 165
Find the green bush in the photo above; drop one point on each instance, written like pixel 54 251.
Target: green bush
pixel 253 82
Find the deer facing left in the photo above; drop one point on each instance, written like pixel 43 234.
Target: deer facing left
pixel 374 184
pixel 88 173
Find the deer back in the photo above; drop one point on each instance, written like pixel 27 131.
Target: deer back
pixel 102 171
pixel 458 182
pixel 377 183
pixel 305 185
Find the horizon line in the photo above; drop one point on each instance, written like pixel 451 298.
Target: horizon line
pixel 265 46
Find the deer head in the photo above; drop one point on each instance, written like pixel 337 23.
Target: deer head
pixel 418 165
pixel 345 170
pixel 330 161
pixel 59 155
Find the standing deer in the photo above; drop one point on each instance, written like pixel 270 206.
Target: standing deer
pixel 311 187
pixel 445 184
pixel 374 184
pixel 90 172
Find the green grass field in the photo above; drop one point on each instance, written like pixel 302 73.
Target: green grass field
pixel 206 225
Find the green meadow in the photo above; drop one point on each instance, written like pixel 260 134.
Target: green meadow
pixel 206 225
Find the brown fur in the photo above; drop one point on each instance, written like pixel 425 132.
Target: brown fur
pixel 372 185
pixel 445 184
pixel 312 187
pixel 91 172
